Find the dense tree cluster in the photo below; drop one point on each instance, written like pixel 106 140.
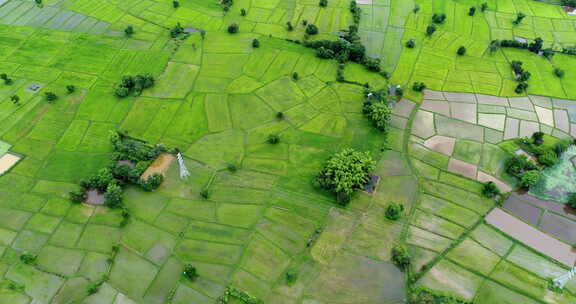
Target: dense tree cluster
pixel 110 179
pixel 401 258
pixel 347 48
pixel 356 12
pixel 134 85
pixel 521 76
pixel 376 109
pixel 345 172
pixel 422 295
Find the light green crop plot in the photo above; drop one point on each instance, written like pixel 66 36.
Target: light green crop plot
pixel 218 99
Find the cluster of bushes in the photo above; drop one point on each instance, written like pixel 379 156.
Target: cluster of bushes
pixel 439 18
pixel 7 80
pixel 569 3
pixel 376 109
pixel 394 211
pixel 226 4
pixel 178 32
pixel 519 18
pixel 490 190
pixel 348 48
pixel 524 169
pixel 233 295
pixel 423 295
pixel 134 85
pixel 401 258
pixel 418 86
pixel 521 76
pixel 356 12
pixel 345 172
pixel 111 179
pixel 535 46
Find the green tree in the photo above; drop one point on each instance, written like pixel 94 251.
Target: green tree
pixel 559 72
pixel 519 18
pixel 430 30
pixel 273 139
pixel 311 29
pixel 572 200
pixel 190 272
pixel 323 3
pixel 289 26
pixel 416 9
pixel 77 196
pixel 152 182
pixel 379 113
pixel 175 4
pixel 28 258
pixel 418 86
pixel 70 88
pixel 461 51
pixel 113 195
pixel 243 12
pixel 295 76
pixel 233 28
pixel 484 7
pixel 345 172
pixel 50 96
pixel 129 30
pixel 472 11
pixel 255 43
pixel 411 43
pixel 529 178
pixel 401 258
pixel 394 211
pixel 490 190
pixel 538 138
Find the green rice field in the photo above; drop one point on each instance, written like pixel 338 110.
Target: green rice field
pixel 249 218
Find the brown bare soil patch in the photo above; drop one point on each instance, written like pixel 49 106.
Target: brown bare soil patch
pixel 160 165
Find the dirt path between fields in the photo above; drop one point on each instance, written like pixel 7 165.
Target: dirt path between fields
pixel 160 165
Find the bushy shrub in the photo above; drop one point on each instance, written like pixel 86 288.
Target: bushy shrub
pixel 243 12
pixel 70 89
pixel 28 258
pixel 373 64
pixel 129 31
pixel 518 164
pixel 190 272
pixel 461 51
pixel 483 6
pixel 559 72
pixel 472 11
pixel 289 26
pixel 400 257
pixel 519 18
pixel 439 18
pixel 529 178
pixel 291 276
pixel 411 43
pixel 394 211
pixel 572 200
pixel 323 3
pixel 561 147
pixel 232 168
pixel 549 158
pixel 538 138
pixel 345 172
pixel 126 173
pixel 295 76
pixel 418 86
pixel 521 87
pixel 113 196
pixel 490 190
pixel 311 29
pixel 177 31
pixel 152 182
pixel 50 96
pixel 273 139
pixel 233 28
pixel 77 196
pixel 255 43
pixel 379 113
pixel 134 84
pixel 416 9
pixel 280 115
pixel 430 30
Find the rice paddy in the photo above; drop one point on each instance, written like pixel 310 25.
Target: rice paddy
pixel 248 218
